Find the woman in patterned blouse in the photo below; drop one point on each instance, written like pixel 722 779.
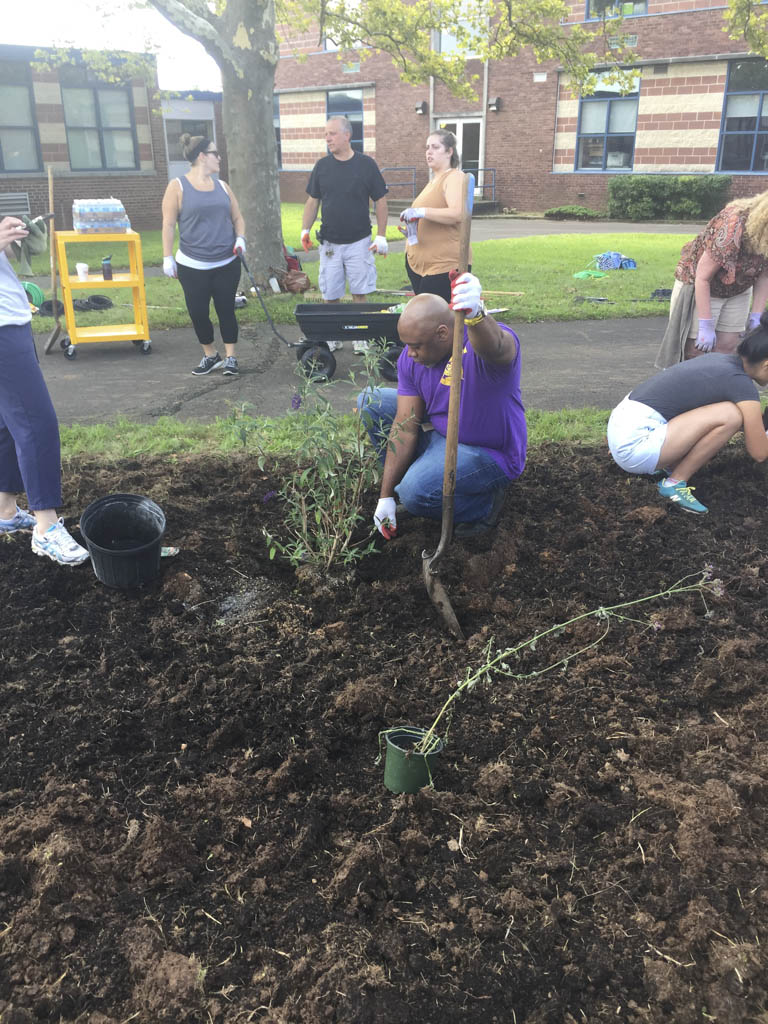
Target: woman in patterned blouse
pixel 727 268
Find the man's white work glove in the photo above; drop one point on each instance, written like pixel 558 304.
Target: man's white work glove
pixel 413 213
pixel 169 266
pixel 706 338
pixel 380 246
pixel 466 292
pixel 306 241
pixel 384 518
pixel 239 246
pixel 753 321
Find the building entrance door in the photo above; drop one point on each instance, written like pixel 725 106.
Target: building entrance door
pixel 468 132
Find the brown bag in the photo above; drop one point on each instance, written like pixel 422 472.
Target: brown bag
pixel 292 280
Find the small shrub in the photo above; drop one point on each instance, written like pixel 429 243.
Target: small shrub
pixel 667 196
pixel 573 212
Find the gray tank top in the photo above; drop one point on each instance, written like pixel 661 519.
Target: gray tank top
pixel 206 232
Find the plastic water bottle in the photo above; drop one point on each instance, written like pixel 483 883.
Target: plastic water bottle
pixel 106 268
pixel 412 232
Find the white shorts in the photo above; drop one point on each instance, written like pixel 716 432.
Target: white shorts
pixel 730 315
pixel 352 262
pixel 636 433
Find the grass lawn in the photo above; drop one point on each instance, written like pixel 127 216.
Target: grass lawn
pixel 175 438
pixel 152 244
pixel 541 268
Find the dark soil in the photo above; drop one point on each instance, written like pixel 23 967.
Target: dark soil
pixel 193 826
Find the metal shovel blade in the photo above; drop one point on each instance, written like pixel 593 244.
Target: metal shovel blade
pixel 438 595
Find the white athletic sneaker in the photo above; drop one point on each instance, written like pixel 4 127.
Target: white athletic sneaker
pixel 21 521
pixel 58 544
pixel 360 346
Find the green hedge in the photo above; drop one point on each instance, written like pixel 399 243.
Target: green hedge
pixel 572 213
pixel 667 196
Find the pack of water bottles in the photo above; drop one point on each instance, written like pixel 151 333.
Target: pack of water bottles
pixel 99 216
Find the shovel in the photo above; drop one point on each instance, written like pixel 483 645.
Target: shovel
pixel 437 592
pixel 52 239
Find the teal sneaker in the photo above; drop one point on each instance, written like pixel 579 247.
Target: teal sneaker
pixel 682 496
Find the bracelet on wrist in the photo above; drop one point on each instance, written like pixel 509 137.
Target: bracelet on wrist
pixel 472 321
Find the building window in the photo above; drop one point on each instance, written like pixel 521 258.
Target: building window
pixel 348 103
pixel 744 131
pixel 175 128
pixel 606 133
pixel 595 9
pixel 19 150
pixel 276 123
pixel 100 129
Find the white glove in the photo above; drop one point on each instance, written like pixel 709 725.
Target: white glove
pixel 413 213
pixel 706 338
pixel 384 518
pixel 239 245
pixel 169 266
pixel 753 321
pixel 380 246
pixel 466 295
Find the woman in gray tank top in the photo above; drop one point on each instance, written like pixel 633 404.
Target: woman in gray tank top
pixel 207 262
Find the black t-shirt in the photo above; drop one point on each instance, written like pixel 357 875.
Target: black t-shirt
pixel 697 382
pixel 345 187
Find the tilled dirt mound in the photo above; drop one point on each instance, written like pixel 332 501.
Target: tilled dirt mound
pixel 193 826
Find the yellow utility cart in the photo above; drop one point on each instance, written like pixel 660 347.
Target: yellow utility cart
pixel 138 330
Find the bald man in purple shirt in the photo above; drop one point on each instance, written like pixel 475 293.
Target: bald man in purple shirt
pixel 492 428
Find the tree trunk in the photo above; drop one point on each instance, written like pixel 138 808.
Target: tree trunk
pixel 248 29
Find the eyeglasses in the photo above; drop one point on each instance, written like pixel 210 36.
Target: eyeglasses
pixel 212 152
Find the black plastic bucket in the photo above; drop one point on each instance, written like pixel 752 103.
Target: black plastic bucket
pixel 123 534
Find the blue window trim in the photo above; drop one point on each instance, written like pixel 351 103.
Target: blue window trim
pixel 606 135
pixel 763 93
pixel 588 16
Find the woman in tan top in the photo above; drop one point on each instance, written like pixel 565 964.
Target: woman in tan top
pixel 435 214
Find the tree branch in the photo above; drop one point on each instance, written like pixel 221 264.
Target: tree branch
pixel 195 19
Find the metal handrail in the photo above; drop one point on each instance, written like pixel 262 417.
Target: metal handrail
pixel 408 182
pixel 486 175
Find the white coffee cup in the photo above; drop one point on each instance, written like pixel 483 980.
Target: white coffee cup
pixel 82 271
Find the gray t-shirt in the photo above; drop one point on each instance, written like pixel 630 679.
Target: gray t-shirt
pixel 697 382
pixel 14 304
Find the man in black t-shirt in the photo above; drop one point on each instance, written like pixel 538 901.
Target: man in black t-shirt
pixel 345 182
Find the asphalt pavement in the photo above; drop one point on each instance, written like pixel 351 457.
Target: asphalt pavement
pixel 565 365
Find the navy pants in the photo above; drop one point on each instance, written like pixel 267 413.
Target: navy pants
pixel 30 456
pixel 219 284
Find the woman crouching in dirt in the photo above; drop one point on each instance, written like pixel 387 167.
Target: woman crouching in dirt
pixel 682 417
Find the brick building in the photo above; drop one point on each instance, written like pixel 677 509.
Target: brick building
pixel 100 139
pixel 698 108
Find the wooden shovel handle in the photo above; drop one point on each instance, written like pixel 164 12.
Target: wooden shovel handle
pixel 452 431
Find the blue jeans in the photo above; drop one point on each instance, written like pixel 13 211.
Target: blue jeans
pixel 478 476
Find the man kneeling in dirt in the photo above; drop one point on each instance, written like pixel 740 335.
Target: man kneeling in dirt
pixel 409 425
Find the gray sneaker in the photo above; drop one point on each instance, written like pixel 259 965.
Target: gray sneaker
pixel 206 364
pixel 230 367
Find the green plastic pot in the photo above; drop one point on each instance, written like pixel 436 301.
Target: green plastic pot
pixel 404 770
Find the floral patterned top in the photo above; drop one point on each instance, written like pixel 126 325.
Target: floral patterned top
pixel 723 239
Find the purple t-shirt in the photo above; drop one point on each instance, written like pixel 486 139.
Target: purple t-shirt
pixel 491 414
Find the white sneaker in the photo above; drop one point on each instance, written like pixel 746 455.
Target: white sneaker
pixel 333 345
pixel 58 544
pixel 360 346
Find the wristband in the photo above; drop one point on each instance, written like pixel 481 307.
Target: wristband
pixel 474 320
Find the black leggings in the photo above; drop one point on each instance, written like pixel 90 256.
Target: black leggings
pixel 432 284
pixel 219 284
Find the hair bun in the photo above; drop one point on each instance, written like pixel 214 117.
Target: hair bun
pixel 185 139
